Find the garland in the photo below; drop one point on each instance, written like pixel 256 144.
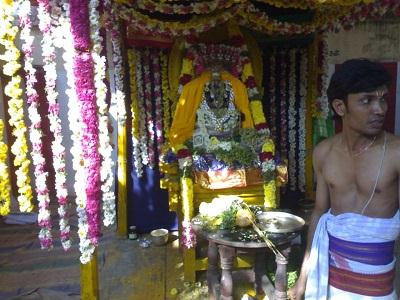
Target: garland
pixel 302 118
pixel 142 111
pixel 117 105
pixel 189 8
pixel 306 4
pixel 283 85
pixel 272 65
pixel 148 103
pixel 330 15
pixel 268 167
pixel 194 26
pixel 49 53
pixel 86 248
pixel 85 89
pixel 105 149
pixel 166 101
pixel 320 107
pixel 35 131
pixel 156 70
pixel 5 187
pixel 15 104
pixel 137 159
pixel 292 120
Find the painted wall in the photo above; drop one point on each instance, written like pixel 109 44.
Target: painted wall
pixel 377 40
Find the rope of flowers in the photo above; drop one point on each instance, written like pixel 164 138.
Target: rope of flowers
pixel 292 120
pixel 166 101
pixel 13 90
pixel 86 247
pixel 49 54
pixel 145 24
pixel 143 138
pixel 283 90
pixel 272 84
pixel 305 4
pixel 85 89
pixel 5 186
pixel 186 184
pixel 321 105
pixel 268 170
pixel 118 97
pixel 205 7
pixel 302 119
pixel 156 70
pixel 137 159
pixel 148 103
pixel 105 149
pixel 35 131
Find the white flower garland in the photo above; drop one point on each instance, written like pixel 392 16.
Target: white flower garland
pixel 137 158
pixel 148 101
pixel 156 68
pixel 302 119
pixel 86 248
pixel 105 149
pixel 323 99
pixel 118 97
pixel 35 131
pixel 292 120
pixel 142 110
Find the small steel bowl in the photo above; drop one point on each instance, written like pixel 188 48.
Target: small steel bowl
pixel 159 237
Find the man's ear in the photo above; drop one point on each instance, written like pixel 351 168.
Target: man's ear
pixel 339 106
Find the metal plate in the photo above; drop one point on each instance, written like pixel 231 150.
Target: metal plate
pixel 279 222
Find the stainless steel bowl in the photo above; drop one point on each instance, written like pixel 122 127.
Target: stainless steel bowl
pixel 159 237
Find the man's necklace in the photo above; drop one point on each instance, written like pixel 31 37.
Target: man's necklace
pixel 362 150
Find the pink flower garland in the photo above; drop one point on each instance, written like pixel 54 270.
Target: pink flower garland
pixel 85 89
pixel 272 95
pixel 283 101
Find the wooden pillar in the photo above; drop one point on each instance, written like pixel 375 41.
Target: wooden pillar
pixel 311 97
pixel 122 189
pixel 90 279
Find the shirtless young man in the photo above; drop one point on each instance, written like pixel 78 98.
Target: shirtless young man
pixel 356 218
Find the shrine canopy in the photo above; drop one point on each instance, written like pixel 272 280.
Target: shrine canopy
pixel 170 18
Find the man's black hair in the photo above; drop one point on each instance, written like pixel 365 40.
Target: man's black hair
pixel 357 76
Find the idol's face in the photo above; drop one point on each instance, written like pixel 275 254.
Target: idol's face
pixel 364 112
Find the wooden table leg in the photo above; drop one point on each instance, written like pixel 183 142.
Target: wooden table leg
pixel 212 271
pixel 260 270
pixel 227 254
pixel 281 275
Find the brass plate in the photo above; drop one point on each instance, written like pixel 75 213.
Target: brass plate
pixel 279 222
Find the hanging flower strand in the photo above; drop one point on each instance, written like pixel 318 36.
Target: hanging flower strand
pixel 156 68
pixel 165 94
pixel 105 149
pixel 137 159
pixel 86 248
pixel 15 104
pixel 148 100
pixel 49 54
pixel 5 187
pixel 85 89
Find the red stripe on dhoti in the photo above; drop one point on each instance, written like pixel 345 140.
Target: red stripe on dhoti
pixel 373 285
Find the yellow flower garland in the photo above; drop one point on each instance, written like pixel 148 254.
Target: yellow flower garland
pixel 187 198
pixel 270 199
pixel 15 104
pixel 257 112
pixel 305 4
pixel 5 188
pixel 134 102
pixel 165 95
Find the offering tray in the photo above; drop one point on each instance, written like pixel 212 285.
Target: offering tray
pixel 279 222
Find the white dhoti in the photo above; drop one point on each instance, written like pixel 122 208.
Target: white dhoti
pixel 339 268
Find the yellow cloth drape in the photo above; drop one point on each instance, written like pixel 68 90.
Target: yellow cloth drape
pixel 190 99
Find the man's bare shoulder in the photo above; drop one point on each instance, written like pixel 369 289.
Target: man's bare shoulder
pixel 323 148
pixel 393 143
